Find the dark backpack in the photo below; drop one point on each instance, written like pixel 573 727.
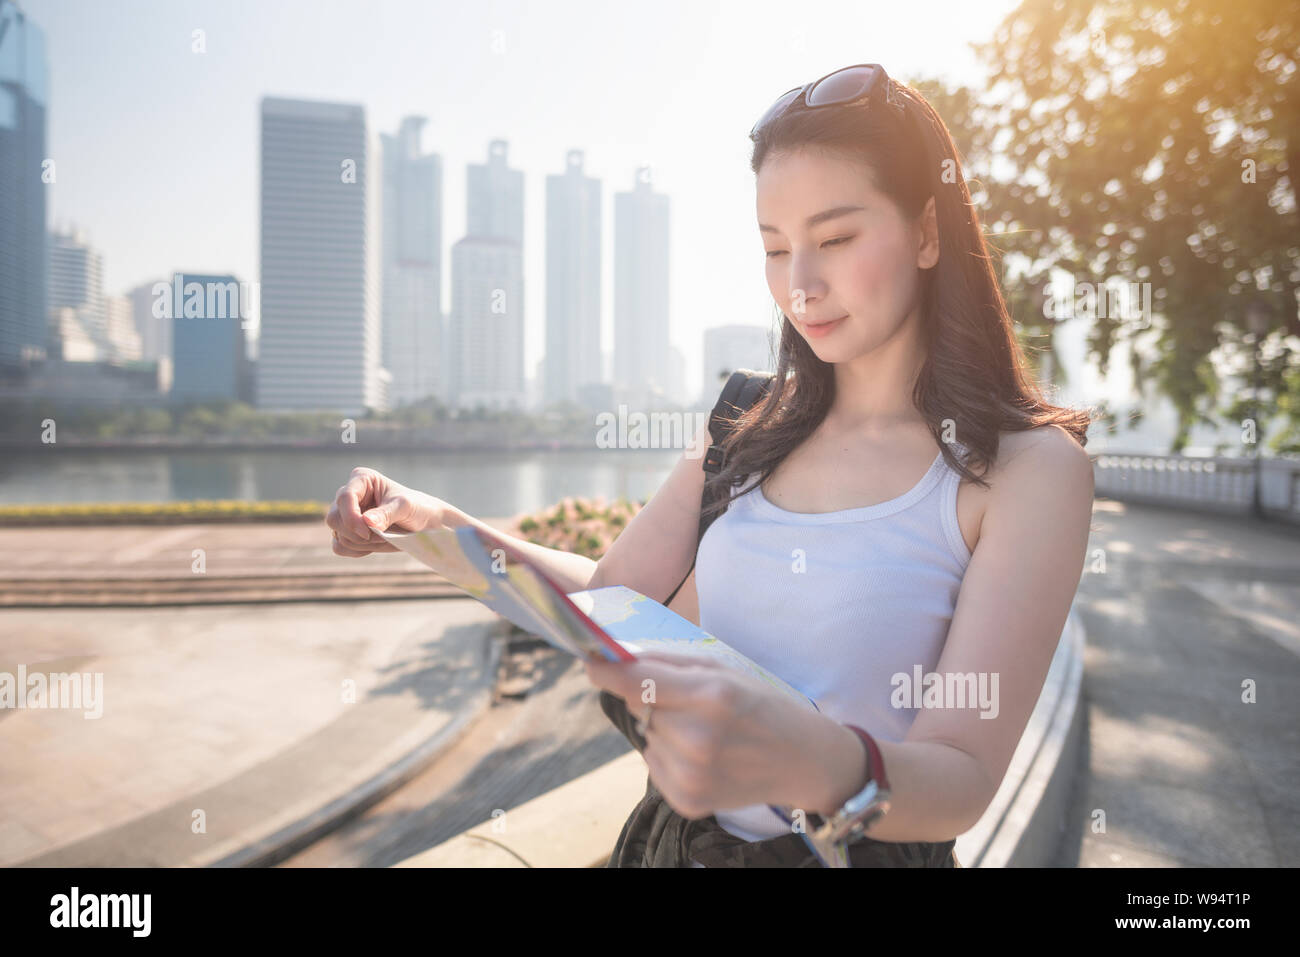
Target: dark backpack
pixel 743 390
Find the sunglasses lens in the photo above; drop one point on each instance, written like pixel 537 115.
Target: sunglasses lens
pixel 843 86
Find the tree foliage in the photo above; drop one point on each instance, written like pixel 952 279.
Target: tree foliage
pixel 1150 141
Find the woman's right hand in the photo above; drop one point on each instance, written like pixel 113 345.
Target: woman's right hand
pixel 371 502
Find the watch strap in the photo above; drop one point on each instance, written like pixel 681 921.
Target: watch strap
pixel 831 852
pixel 875 763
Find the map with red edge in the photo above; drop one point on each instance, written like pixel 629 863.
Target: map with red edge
pixel 641 624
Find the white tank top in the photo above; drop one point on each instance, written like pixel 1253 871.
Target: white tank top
pixel 836 603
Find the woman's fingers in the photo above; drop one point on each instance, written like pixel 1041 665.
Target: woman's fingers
pixel 671 681
pixel 370 503
pixel 393 510
pixel 344 518
pixel 339 520
pixel 341 549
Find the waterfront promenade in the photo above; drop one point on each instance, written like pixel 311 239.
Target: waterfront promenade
pixel 230 707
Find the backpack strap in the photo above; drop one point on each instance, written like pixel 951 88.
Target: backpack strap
pixel 743 390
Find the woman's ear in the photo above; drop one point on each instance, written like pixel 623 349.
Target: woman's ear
pixel 928 254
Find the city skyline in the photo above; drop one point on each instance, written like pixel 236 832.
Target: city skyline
pixel 533 80
pixel 740 290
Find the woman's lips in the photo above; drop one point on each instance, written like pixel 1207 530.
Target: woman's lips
pixel 823 328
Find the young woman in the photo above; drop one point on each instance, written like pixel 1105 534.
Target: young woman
pixel 904 502
pixel 909 504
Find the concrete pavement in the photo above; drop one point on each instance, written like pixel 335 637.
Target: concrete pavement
pixel 1185 613
pixel 196 564
pixel 229 734
pixel 235 709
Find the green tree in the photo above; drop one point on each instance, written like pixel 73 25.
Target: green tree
pixel 1151 141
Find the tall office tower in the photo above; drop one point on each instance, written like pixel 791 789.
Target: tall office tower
pixel 69 337
pixel 320 307
pixel 208 340
pixel 24 86
pixel 572 283
pixel 732 347
pixel 75 293
pixel 413 340
pixel 535 383
pixel 123 337
pixel 641 363
pixel 155 330
pixel 487 289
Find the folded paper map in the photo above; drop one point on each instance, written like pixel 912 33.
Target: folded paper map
pixel 614 623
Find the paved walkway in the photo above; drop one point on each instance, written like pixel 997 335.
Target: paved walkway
pixel 264 721
pixel 518 750
pixel 231 548
pixel 150 565
pixel 1189 607
pixel 235 709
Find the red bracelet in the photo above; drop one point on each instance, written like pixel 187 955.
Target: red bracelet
pixel 875 763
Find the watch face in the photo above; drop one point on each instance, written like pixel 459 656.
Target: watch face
pixel 853 825
pixel 862 800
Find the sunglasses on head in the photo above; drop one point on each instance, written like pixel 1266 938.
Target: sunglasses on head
pixel 848 86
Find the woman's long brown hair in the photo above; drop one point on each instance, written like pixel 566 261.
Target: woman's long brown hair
pixel 974 379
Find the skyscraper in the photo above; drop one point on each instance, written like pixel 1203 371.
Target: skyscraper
pixel 155 331
pixel 412 251
pixel 78 312
pixel 487 291
pixel 572 283
pixel 122 334
pixel 320 345
pixel 641 362
pixel 208 345
pixel 24 86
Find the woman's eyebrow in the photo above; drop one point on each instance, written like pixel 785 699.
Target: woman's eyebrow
pixel 816 218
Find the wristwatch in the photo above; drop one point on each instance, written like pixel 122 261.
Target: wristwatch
pixel 831 838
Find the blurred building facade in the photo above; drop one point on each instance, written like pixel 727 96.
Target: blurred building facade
pixel 413 350
pixel 320 334
pixel 573 283
pixel 641 357
pixel 487 293
pixel 24 102
pixel 209 344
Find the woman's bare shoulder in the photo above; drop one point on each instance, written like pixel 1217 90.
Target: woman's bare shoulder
pixel 1050 441
pixel 1041 469
pixel 1041 457
pixel 1043 464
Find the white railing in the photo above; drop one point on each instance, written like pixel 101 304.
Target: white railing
pixel 1216 484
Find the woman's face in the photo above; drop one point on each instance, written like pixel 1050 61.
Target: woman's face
pixel 859 261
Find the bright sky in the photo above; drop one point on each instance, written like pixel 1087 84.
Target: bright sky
pixel 156 146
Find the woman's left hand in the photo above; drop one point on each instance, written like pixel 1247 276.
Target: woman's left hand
pixel 719 739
